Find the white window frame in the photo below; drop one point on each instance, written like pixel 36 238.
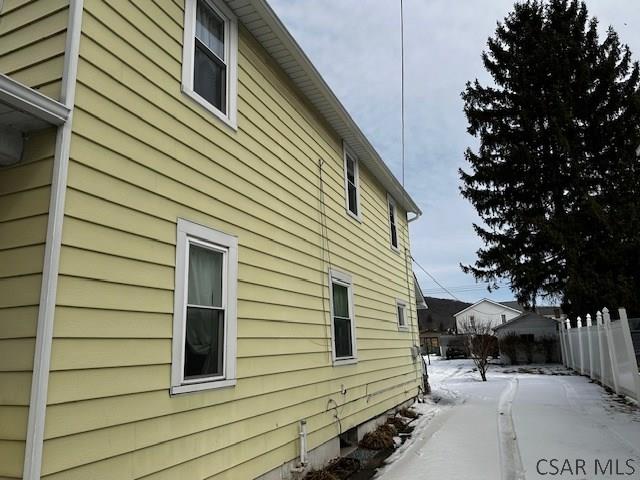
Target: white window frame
pixel 231 53
pixel 192 233
pixel 402 304
pixel 356 173
pixel 345 280
pixel 391 203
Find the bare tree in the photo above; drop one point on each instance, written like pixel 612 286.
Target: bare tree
pixel 482 343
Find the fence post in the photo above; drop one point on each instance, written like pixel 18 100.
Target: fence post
pixel 570 357
pixel 580 347
pixel 612 354
pixel 599 329
pixel 563 349
pixel 628 343
pixel 589 342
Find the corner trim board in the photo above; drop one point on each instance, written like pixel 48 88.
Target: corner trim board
pixel 44 333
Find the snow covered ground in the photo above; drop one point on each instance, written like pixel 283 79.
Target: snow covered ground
pixel 525 422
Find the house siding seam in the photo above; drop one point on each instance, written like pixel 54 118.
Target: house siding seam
pixel 32 43
pixel 142 155
pixel 24 203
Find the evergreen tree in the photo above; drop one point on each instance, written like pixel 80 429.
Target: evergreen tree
pixel 556 177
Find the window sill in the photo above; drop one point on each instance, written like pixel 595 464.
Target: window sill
pixel 395 249
pixel 403 328
pixel 199 387
pixel 227 120
pixel 345 361
pixel 357 218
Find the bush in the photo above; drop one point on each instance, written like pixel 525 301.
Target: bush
pixel 380 439
pixel 509 345
pixel 548 346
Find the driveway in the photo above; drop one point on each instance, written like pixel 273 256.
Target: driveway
pixel 534 423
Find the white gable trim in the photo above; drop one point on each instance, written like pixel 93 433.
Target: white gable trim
pixel 498 304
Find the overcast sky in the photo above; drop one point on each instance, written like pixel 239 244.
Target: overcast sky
pixel 355 44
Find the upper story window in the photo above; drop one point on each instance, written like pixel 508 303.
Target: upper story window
pixel 401 309
pixel 204 320
pixel 352 183
pixel 342 318
pixel 209 64
pixel 503 317
pixel 393 229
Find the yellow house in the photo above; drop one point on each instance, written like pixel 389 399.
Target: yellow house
pixel 204 264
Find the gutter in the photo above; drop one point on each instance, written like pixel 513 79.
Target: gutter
pixel 48 292
pixel 28 100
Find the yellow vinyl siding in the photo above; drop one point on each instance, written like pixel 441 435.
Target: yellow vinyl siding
pixel 24 204
pixel 142 155
pixel 32 43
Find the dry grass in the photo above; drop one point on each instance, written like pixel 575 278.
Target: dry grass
pixel 397 422
pixel 380 438
pixel 343 467
pixel 323 474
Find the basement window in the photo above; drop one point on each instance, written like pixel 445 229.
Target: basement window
pixel 209 64
pixel 342 318
pixel 204 319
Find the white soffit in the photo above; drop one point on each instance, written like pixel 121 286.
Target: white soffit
pixel 262 22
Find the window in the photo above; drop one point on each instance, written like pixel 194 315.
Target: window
pixel 503 317
pixel 401 309
pixel 342 318
pixel 472 321
pixel 209 64
pixel 352 183
pixel 392 223
pixel 204 319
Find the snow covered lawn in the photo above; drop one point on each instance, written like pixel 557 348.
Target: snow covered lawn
pixel 533 422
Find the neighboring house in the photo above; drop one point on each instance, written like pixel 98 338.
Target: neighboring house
pixel 202 258
pixel 537 331
pixel 485 311
pixel 437 320
pixel 498 313
pixel 549 311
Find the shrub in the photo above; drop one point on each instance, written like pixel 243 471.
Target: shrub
pixel 380 439
pixel 509 345
pixel 549 346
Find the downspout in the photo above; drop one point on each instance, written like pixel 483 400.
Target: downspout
pixel 51 264
pixel 303 443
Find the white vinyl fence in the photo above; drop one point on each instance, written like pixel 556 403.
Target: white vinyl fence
pixel 604 351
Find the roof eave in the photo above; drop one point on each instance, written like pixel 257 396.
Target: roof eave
pixel 29 101
pixel 340 120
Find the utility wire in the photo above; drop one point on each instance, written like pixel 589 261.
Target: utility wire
pixel 434 279
pixel 402 83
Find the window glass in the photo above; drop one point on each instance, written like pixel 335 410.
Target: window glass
pixel 210 69
pixel 204 331
pixel 401 321
pixel 352 192
pixel 342 321
pixel 392 224
pixel 210 29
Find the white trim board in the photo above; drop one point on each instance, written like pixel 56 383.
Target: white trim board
pixel 490 301
pixel 44 332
